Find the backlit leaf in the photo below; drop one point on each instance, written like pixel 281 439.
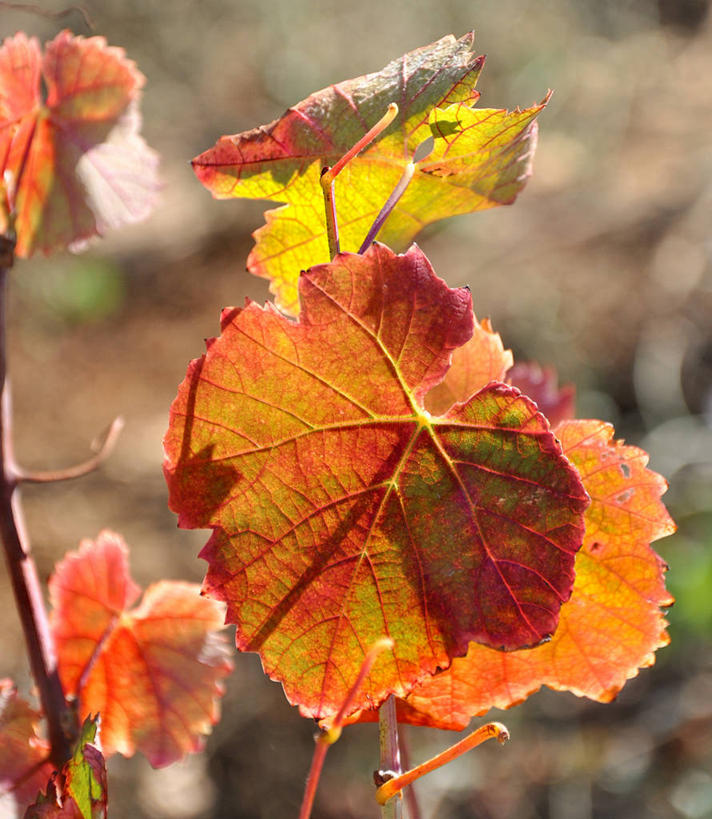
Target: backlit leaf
pixel 75 162
pixel 611 626
pixel 480 158
pixel 79 791
pixel 24 769
pixel 152 672
pixel 481 360
pixel 342 511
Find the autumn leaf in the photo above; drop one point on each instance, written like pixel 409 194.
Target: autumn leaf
pixel 611 626
pixel 79 791
pixel 480 158
pixel 75 162
pixel 480 360
pixel 24 766
pixel 342 511
pixel 153 672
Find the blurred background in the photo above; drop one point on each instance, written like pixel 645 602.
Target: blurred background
pixel 603 267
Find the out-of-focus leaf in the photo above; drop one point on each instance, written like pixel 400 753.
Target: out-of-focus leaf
pixel 480 158
pixel 541 385
pixel 79 791
pixel 343 511
pixel 153 672
pixel 75 162
pixel 24 769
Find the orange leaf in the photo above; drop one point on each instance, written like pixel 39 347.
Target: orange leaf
pixel 153 672
pixel 24 769
pixel 612 624
pixel 75 163
pixel 481 360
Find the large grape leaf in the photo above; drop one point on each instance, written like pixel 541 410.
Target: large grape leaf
pixel 79 790
pixel 343 511
pixel 611 626
pixel 24 766
pixel 75 163
pixel 154 672
pixel 481 158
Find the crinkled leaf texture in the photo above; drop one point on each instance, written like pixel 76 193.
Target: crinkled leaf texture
pixel 343 511
pixel 613 623
pixel 75 163
pixel 480 158
pixel 79 791
pixel 154 672
pixel 24 769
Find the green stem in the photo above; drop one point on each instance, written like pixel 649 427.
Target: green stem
pixel 23 572
pixel 390 761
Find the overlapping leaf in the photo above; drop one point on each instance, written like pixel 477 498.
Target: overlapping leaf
pixel 612 624
pixel 481 360
pixel 24 769
pixel 74 164
pixel 541 384
pixel 154 672
pixel 481 158
pixel 79 791
pixel 342 511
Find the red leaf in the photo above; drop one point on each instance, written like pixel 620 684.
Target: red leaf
pixel 153 673
pixel 611 626
pixel 79 791
pixel 24 769
pixel 342 511
pixel 76 163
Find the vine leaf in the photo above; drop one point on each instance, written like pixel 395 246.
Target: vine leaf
pixel 611 626
pixel 480 158
pixel 75 162
pixel 79 791
pixel 342 511
pixel 480 360
pixel 153 672
pixel 24 769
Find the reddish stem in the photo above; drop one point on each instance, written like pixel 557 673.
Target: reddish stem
pixel 393 786
pixel 331 733
pixel 23 572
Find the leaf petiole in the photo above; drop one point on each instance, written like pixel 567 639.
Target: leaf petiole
pixel 391 202
pixel 393 786
pixel 328 175
pixel 331 733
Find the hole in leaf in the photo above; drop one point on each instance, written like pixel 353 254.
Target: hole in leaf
pixel 625 469
pixel 424 150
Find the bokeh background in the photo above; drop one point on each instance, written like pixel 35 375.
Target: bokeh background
pixel 603 267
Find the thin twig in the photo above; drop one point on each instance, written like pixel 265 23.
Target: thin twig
pixel 393 786
pixel 331 733
pixel 23 574
pixel 31 8
pixel 105 446
pixel 390 761
pixel 328 175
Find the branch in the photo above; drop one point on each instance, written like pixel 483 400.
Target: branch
pixel 104 446
pixel 23 572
